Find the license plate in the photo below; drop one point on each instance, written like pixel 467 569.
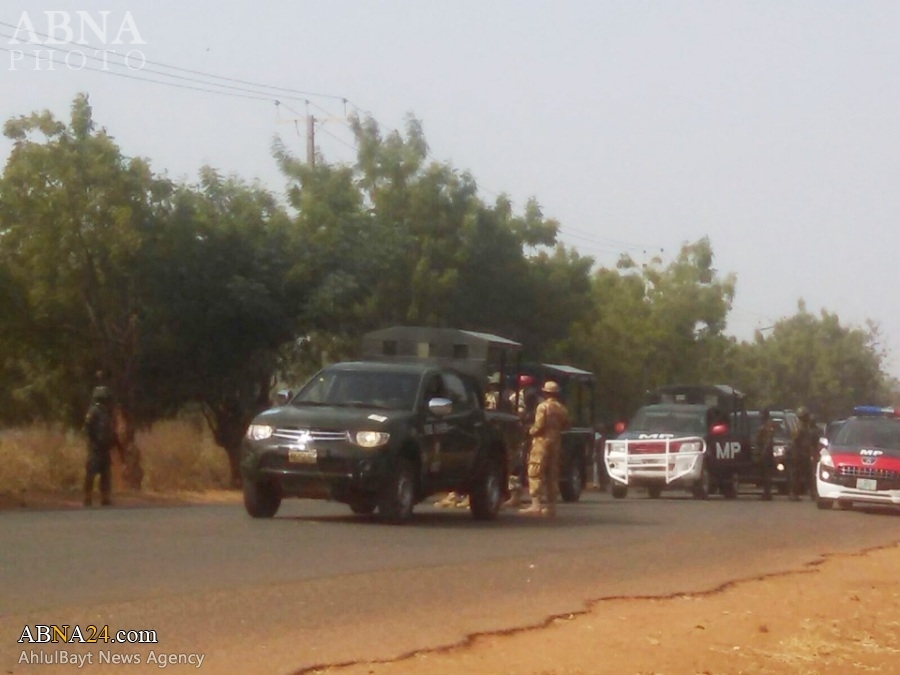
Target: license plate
pixel 866 484
pixel 302 456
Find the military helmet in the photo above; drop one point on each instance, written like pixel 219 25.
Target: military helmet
pixel 102 394
pixel 550 387
pixel 803 412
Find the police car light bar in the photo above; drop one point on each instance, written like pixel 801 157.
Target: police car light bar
pixel 876 411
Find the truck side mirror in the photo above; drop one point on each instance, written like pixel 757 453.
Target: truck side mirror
pixel 282 396
pixel 440 406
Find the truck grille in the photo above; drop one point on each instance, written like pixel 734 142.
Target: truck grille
pixel 292 434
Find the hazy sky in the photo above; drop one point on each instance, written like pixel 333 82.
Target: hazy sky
pixel 773 128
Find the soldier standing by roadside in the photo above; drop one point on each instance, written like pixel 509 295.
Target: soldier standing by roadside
pixel 551 418
pixel 804 443
pixel 765 447
pixel 99 425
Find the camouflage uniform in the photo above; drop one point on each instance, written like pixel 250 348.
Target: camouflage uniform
pixel 804 443
pixel 99 425
pixel 551 418
pixel 765 436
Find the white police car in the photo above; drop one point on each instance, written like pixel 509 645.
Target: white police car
pixel 861 463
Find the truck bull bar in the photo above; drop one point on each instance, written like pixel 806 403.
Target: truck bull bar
pixel 654 459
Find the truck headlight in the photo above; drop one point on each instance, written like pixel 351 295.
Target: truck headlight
pixel 690 446
pixel 615 448
pixel 826 459
pixel 371 439
pixel 259 432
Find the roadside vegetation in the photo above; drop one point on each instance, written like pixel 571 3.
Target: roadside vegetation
pixel 177 456
pixel 206 296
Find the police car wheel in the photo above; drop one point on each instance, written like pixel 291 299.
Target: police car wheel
pixel 824 504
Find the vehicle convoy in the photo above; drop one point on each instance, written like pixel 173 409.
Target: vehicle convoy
pixel 387 432
pixel 786 424
pixel 692 437
pixel 861 462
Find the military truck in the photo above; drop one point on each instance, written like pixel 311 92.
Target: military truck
pixel 693 437
pixel 384 433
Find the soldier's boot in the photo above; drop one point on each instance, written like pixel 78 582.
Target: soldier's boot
pixel 448 501
pixel 514 501
pixel 549 510
pixel 534 509
pixel 463 503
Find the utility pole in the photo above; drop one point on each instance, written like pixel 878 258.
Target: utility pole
pixel 311 140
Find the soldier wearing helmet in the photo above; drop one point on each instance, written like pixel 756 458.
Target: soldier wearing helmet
pixel 523 401
pixel 804 443
pixel 551 418
pixel 99 427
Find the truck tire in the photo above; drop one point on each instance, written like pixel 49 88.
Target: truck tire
pixel 700 488
pixel 363 507
pixel 570 489
pixel 654 491
pixel 395 504
pixel 619 491
pixel 824 504
pixel 728 486
pixel 486 494
pixel 261 499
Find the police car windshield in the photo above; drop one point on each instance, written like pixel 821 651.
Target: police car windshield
pixel 870 432
pixel 675 419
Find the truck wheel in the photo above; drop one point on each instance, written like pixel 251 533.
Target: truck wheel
pixel 261 499
pixel 654 491
pixel 487 491
pixel 700 488
pixel 396 502
pixel 728 486
pixel 619 491
pixel 363 507
pixel 570 489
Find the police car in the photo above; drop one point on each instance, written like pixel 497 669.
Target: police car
pixel 689 437
pixel 861 463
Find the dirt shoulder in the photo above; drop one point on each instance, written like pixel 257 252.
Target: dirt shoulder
pixel 838 616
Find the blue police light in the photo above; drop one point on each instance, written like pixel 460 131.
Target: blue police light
pixel 875 411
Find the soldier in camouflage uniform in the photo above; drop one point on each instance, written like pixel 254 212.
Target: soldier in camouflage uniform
pixel 551 418
pixel 523 402
pixel 765 436
pixel 99 425
pixel 804 444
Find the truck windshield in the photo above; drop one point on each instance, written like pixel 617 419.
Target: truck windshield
pixel 362 389
pixel 671 420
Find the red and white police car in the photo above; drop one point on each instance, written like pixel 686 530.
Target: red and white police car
pixel 861 463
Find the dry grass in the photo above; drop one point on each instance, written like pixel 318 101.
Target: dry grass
pixel 177 456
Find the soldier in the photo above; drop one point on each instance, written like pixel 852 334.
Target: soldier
pixel 492 396
pixel 804 443
pixel 99 425
pixel 765 447
pixel 523 402
pixel 550 419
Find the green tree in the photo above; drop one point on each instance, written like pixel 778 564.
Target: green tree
pixel 73 211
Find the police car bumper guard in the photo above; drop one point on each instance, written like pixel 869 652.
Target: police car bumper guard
pixel 655 460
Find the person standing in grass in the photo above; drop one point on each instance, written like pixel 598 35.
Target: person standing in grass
pixel 99 425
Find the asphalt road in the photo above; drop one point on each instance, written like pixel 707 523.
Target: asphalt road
pixel 316 585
